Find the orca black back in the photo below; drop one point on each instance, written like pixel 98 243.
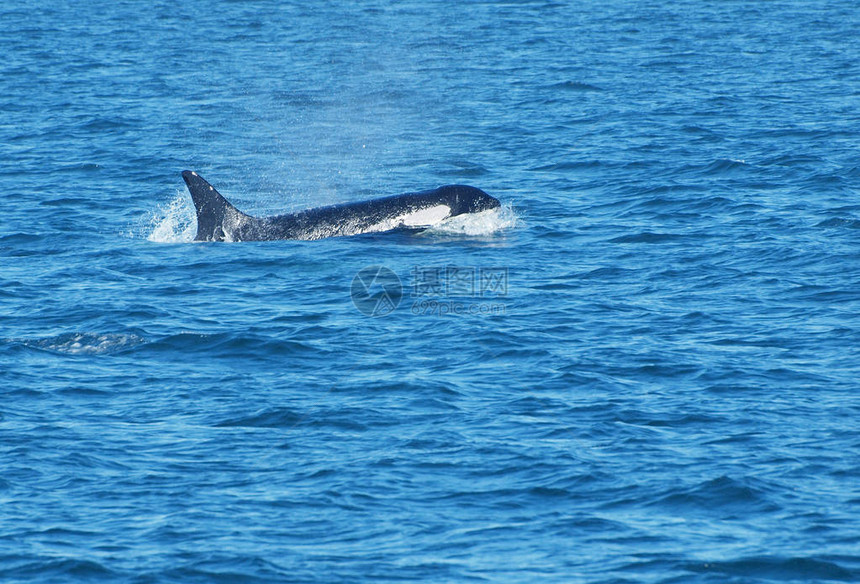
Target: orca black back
pixel 218 220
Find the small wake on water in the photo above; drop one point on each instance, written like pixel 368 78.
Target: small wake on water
pixel 84 343
pixel 174 222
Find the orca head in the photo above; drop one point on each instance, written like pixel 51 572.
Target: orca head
pixel 465 199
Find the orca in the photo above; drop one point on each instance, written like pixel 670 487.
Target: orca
pixel 218 220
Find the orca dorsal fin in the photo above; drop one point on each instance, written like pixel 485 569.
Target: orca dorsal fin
pixel 217 219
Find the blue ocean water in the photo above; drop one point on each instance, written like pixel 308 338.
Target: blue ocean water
pixel 644 370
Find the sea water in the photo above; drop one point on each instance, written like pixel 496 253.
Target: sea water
pixel 643 369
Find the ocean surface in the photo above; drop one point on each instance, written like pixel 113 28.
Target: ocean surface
pixel 644 368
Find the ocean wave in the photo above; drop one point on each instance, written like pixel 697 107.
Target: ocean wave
pixel 49 569
pixel 780 568
pixel 649 237
pixel 724 494
pixel 235 345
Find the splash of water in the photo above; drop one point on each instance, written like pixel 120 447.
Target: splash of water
pixel 175 222
pixel 477 224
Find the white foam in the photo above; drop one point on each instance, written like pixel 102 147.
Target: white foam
pixel 86 343
pixel 477 224
pixel 175 222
